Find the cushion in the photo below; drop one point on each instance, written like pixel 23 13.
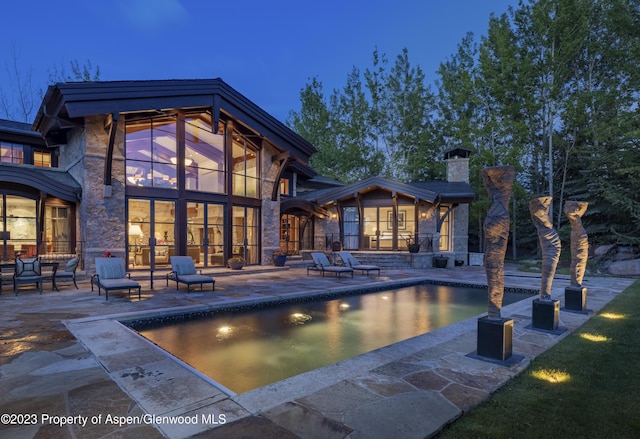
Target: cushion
pixel 71 265
pixel 27 267
pixel 110 268
pixel 182 268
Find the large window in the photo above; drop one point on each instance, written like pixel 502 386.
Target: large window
pixel 204 156
pixel 151 152
pixel 245 168
pixel 19 222
pixel 11 153
pixel 445 230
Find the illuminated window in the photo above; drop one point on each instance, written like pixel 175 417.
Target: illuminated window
pixel 284 186
pixel 245 168
pixel 445 230
pixel 42 158
pixel 11 153
pixel 150 148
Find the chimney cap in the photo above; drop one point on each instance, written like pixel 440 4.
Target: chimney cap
pixel 457 153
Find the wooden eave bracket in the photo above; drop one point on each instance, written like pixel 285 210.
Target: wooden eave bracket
pixel 112 124
pixel 283 158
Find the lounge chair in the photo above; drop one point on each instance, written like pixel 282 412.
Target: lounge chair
pixel 184 271
pixel 111 275
pixel 323 265
pixel 27 271
pixel 350 261
pixel 69 272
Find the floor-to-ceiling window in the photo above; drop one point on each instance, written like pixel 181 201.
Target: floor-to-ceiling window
pixel 381 229
pixel 180 160
pixel 246 233
pixel 445 229
pixel 150 219
pixel 290 234
pixel 20 226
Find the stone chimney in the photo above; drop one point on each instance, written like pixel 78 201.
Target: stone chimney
pixel 457 164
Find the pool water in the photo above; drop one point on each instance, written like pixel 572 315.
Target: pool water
pixel 250 349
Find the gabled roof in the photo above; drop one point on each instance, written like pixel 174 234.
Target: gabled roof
pixel 373 183
pixel 65 103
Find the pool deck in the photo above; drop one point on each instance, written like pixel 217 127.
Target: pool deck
pixel 65 359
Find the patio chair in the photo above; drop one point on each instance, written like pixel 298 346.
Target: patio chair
pixel 350 261
pixel 323 265
pixel 69 272
pixel 111 275
pixel 183 270
pixel 27 271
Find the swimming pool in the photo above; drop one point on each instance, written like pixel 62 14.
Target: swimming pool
pixel 249 349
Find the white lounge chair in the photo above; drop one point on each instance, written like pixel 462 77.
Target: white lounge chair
pixel 111 275
pixel 184 271
pixel 350 261
pixel 323 265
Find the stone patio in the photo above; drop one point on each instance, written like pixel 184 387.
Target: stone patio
pixel 68 369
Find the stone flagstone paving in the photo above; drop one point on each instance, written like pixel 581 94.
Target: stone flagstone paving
pixel 65 361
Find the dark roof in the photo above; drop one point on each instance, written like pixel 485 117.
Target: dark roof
pixel 66 103
pixel 370 184
pixel 19 132
pixel 51 181
pixel 449 191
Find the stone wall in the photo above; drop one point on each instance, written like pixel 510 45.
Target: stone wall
pixel 101 218
pixel 270 209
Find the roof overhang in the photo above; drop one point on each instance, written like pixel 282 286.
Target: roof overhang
pixel 65 104
pixel 297 206
pixel 46 180
pixel 373 183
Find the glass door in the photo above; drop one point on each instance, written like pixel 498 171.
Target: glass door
pixel 150 219
pixel 245 233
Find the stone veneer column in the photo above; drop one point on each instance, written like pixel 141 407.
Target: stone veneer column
pixel 458 170
pixel 270 227
pixel 102 219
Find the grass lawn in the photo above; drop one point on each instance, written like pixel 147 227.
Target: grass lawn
pixel 586 386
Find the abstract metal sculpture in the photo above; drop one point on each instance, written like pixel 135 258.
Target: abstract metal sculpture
pixel 579 240
pixel 498 181
pixel 549 242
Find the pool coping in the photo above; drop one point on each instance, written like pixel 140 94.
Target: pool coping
pixel 165 386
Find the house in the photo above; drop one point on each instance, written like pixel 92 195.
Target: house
pixel 147 169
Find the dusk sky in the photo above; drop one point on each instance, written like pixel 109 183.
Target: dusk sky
pixel 266 50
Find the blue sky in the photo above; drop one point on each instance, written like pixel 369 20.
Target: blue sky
pixel 267 50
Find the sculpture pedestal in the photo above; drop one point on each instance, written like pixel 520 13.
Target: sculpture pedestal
pixel 575 298
pixel 495 338
pixel 545 314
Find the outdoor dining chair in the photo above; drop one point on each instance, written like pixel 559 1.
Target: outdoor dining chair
pixel 69 272
pixel 27 271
